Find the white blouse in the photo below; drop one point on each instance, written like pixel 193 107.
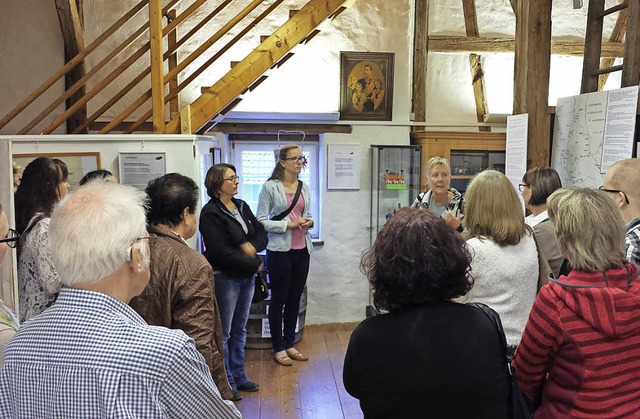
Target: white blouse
pixel 38 280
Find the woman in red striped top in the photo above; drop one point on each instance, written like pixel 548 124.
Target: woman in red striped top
pixel 581 347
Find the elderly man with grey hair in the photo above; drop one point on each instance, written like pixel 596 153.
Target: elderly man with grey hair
pixel 90 355
pixel 622 182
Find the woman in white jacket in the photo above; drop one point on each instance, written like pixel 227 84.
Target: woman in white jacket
pixel 504 263
pixel 287 220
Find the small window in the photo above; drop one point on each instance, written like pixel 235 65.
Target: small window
pixel 255 160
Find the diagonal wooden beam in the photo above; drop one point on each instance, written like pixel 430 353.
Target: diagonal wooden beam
pixel 72 34
pixel 475 62
pixel 420 54
pixel 619 29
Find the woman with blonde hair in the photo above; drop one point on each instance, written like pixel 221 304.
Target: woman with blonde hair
pixel 441 199
pixel 504 262
pixel 580 347
pixel 284 207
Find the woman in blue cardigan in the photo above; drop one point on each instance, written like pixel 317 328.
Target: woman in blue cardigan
pixel 284 208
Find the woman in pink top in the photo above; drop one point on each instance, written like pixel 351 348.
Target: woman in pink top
pixel 288 252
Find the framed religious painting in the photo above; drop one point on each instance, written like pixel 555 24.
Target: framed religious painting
pixel 366 86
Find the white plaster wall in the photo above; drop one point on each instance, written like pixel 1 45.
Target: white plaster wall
pixel 31 50
pixel 337 290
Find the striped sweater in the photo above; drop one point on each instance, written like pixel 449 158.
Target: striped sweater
pixel 582 346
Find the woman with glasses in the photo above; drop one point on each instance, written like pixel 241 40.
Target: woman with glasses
pixel 284 207
pixel 43 184
pixel 232 237
pixel 538 184
pixel 8 321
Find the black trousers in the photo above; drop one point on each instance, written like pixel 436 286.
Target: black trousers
pixel 287 278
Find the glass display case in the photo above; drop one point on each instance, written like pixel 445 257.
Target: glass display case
pixel 395 181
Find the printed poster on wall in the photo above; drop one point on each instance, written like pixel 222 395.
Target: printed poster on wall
pixel 516 149
pixel 343 166
pixel 137 169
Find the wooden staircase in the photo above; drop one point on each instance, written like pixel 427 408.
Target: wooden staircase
pixel 595 70
pixel 213 103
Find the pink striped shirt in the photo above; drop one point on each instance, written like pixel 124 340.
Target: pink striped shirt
pixel 297 234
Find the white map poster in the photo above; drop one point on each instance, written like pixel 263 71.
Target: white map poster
pixel 579 136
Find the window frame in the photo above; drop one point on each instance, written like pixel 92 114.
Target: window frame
pixel 311 146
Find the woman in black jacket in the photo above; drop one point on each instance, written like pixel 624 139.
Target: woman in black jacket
pixel 232 237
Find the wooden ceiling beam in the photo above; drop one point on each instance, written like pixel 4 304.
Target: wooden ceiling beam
pixel 264 128
pixel 69 17
pixel 531 83
pixel 438 43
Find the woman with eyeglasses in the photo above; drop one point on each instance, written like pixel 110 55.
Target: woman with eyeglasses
pixel 538 184
pixel 441 199
pixel 8 321
pixel 232 237
pixel 43 184
pixel 284 207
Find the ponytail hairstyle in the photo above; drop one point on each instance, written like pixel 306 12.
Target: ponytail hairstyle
pixel 278 171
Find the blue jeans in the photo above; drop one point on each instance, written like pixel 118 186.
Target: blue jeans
pixel 234 301
pixel 287 277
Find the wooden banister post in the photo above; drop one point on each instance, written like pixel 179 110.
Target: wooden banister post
pixel 174 105
pixel 157 73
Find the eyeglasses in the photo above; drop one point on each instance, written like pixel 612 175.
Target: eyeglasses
pixel 232 179
pixel 522 186
pixel 11 239
pixel 136 240
pixel 301 159
pixel 602 188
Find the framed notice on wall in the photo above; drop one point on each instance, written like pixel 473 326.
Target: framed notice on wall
pixel 343 166
pixel 137 169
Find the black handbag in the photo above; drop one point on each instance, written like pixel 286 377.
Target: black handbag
pixel 519 404
pixel 261 292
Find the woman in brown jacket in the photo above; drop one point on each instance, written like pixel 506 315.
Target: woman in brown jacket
pixel 180 294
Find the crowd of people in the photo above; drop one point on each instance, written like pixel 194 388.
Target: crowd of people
pixel 563 282
pixel 120 317
pixel 102 267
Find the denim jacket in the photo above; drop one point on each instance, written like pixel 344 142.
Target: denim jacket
pixel 272 202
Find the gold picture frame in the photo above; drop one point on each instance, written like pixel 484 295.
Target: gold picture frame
pixel 366 86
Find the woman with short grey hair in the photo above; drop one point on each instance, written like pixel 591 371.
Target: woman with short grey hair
pixel 581 343
pixel 441 199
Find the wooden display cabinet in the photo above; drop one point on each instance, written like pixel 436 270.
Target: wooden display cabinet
pixel 468 153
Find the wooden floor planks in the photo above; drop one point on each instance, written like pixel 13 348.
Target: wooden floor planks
pixel 307 390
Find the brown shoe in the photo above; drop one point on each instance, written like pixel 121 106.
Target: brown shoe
pixel 298 356
pixel 282 359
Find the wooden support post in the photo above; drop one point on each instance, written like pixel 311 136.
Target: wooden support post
pixel 531 86
pixel 420 53
pixel 631 64
pixel 157 65
pixel 72 33
pixel 185 120
pixel 174 105
pixel 592 46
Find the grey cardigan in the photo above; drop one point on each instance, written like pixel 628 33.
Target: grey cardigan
pixel 273 201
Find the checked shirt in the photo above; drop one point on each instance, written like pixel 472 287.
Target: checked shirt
pixel 92 356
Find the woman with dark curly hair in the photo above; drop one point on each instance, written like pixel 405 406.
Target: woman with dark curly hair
pixel 429 356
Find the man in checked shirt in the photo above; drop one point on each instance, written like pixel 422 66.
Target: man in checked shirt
pixel 90 355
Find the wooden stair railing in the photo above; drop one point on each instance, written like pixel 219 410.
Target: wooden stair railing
pixel 273 51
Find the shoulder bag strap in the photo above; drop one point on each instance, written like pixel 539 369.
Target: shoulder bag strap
pixel 294 201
